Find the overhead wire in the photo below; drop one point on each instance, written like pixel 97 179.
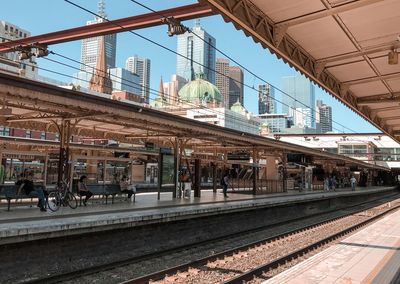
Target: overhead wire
pixel 181 55
pixel 187 57
pixel 241 65
pixel 154 92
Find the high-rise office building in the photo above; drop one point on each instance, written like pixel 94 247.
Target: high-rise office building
pixel 198 54
pixel 222 79
pixel 229 81
pixel 235 85
pixel 10 62
pixel 90 46
pixel 266 102
pixel 141 67
pixel 302 95
pixel 323 117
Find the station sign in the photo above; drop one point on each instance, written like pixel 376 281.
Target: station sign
pixel 166 151
pixel 205 157
pixel 149 146
pixel 239 156
pixel 19 156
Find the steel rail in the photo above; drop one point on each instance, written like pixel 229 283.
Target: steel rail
pixel 184 267
pixel 160 274
pixel 249 275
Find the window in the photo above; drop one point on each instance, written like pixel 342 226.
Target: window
pixel 351 150
pixel 6 27
pixel 4 131
pixel 43 135
pixel 28 134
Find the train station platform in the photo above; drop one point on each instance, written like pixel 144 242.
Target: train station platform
pixel 370 256
pixel 26 222
pixel 99 234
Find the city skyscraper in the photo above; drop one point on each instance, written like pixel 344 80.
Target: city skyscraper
pixel 10 62
pixel 302 97
pixel 197 47
pixel 229 81
pixel 266 102
pixel 141 67
pixel 222 80
pixel 236 79
pixel 90 46
pixel 323 117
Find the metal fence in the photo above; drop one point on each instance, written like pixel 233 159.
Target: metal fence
pixel 263 186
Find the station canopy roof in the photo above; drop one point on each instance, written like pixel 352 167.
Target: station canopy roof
pixel 34 105
pixel 347 47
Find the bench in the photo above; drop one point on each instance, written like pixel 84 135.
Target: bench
pixel 115 189
pixel 105 190
pixel 9 192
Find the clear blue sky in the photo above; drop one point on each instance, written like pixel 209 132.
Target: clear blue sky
pixel 42 16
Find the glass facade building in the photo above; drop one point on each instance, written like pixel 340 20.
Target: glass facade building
pixel 90 46
pixel 302 95
pixel 141 67
pixel 196 47
pixel 266 102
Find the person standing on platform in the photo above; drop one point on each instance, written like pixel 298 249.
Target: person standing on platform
pixel 353 183
pixel 330 183
pixel 83 190
pixel 326 184
pixel 225 184
pixel 334 183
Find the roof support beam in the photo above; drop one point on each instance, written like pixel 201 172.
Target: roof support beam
pixel 373 79
pixel 249 18
pixel 109 27
pixel 377 99
pixel 363 52
pixel 390 118
pixel 326 13
pixel 376 110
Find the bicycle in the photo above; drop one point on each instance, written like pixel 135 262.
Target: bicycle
pixel 61 197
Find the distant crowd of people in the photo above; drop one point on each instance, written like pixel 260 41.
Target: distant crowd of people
pixel 331 183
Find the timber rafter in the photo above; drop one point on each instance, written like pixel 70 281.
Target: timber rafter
pixel 249 18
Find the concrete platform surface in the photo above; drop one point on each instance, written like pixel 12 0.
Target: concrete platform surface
pixel 28 223
pixel 369 256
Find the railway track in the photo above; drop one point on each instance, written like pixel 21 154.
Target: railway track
pixel 262 259
pixel 181 258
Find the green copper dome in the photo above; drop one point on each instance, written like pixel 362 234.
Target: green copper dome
pixel 238 108
pixel 199 91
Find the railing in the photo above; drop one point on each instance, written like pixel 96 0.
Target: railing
pixel 263 186
pixel 269 186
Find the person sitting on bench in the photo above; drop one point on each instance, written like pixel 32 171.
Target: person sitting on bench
pixel 31 191
pixel 83 190
pixel 125 187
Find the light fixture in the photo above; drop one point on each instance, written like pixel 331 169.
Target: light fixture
pixel 174 26
pixel 393 57
pixel 23 55
pixel 41 50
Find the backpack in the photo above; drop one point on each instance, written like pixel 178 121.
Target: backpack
pixel 222 182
